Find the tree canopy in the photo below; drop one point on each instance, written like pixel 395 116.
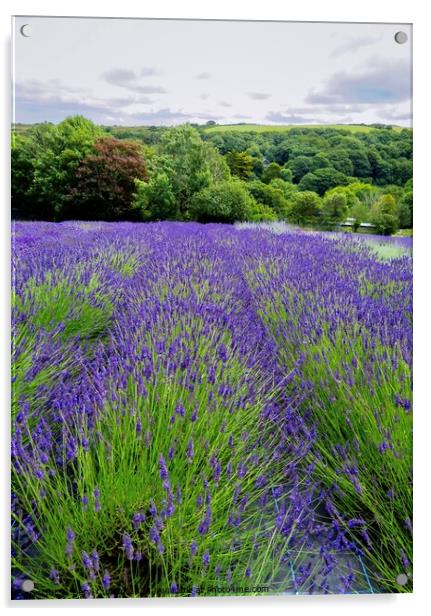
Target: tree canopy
pixel 311 176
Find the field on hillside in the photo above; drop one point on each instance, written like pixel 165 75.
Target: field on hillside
pixel 197 408
pixel 267 128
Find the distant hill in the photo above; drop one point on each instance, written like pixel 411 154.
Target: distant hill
pixel 241 128
pixel 262 128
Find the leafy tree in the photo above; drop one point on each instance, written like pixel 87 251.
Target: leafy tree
pixel 240 164
pixel 320 160
pixel 270 196
pixel 282 151
pixel 334 207
pixel 347 191
pixel 384 215
pixel 59 151
pixel 227 201
pixel 22 167
pixel 261 213
pixel 306 208
pixel 300 166
pixel 366 193
pixel 287 188
pixel 321 180
pixel 105 180
pixel 286 174
pixel 405 210
pixel 189 163
pixel 360 213
pixel 339 159
pixel 272 171
pixel 155 200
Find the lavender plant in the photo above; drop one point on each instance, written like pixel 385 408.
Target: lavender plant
pixel 201 407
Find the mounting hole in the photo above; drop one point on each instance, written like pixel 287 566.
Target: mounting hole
pixel 25 30
pixel 401 579
pixel 401 37
pixel 27 586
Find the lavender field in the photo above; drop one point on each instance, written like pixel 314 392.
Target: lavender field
pixel 206 409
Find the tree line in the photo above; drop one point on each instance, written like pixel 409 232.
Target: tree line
pixel 310 176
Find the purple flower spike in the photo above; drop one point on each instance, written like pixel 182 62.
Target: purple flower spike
pixel 106 580
pixel 163 468
pixel 206 558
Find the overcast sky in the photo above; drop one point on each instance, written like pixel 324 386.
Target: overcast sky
pixel 152 72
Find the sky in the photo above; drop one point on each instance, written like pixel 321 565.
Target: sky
pixel 166 72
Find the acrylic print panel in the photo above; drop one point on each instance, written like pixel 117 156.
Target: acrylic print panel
pixel 212 308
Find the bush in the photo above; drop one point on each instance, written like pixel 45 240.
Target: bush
pixel 384 215
pixel 334 207
pixel 306 208
pixel 271 196
pixel 261 213
pixel 227 201
pixel 155 200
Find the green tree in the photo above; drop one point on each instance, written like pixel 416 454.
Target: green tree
pixel 189 163
pixel 270 196
pixel 22 171
pixel 334 207
pixel 287 188
pixel 347 192
pixel 261 213
pixel 155 200
pixel 59 151
pixel 360 213
pixel 384 215
pixel 227 201
pixel 272 171
pixel 405 210
pixel 300 166
pixel 306 208
pixel 339 159
pixel 240 164
pixel 321 180
pixel 286 174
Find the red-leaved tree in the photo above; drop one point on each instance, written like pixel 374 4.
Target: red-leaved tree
pixel 105 181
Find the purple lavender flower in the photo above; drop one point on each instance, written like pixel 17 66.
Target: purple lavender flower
pixel 128 547
pixel 179 410
pixel 193 548
pixel 86 561
pixel 106 580
pixel 163 468
pixel 190 450
pixel 95 560
pixel 138 518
